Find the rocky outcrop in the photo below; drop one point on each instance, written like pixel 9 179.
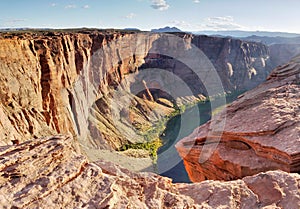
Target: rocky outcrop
pixel 273 189
pixel 261 132
pixel 48 173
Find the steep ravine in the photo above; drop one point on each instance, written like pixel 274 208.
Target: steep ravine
pixel 66 82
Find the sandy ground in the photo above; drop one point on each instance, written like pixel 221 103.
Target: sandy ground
pixel 131 163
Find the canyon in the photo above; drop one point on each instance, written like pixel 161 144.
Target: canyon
pixel 67 82
pixel 75 104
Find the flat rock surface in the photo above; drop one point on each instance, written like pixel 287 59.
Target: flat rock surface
pixel 48 173
pixel 261 133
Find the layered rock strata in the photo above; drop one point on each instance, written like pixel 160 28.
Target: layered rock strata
pixel 68 82
pixel 48 173
pixel 261 132
pixel 47 77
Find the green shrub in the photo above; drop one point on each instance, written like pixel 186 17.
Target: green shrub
pixel 151 146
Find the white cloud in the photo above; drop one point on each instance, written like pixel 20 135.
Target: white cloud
pixel 220 19
pixel 70 6
pixel 221 23
pixel 86 7
pixel 196 1
pixel 130 16
pixel 53 5
pixel 160 5
pixel 17 20
pixel 11 22
pixel 181 24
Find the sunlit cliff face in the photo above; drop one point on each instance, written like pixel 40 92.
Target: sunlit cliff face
pixel 71 79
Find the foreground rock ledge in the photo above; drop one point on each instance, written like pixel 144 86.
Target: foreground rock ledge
pixel 48 173
pixel 262 132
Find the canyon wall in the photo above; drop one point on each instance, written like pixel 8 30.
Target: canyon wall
pixel 241 65
pixel 66 82
pixel 282 53
pixel 48 81
pixel 261 132
pixel 282 49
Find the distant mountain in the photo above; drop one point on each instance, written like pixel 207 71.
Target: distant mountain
pixel 166 30
pixel 13 29
pixel 132 29
pixel 239 34
pixel 274 40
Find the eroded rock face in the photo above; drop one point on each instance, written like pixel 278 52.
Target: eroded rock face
pixel 262 132
pixel 49 83
pixel 52 82
pixel 282 53
pixel 48 173
pixel 241 65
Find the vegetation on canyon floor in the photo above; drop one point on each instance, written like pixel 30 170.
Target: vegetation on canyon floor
pixel 150 146
pixel 153 135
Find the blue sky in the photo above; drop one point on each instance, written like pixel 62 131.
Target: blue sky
pixel 191 15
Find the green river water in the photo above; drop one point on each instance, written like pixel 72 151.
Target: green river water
pixel 169 163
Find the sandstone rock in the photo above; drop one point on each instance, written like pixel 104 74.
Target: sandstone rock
pixel 273 189
pixel 68 82
pixel 48 173
pixel 50 83
pixel 261 133
pixel 242 58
